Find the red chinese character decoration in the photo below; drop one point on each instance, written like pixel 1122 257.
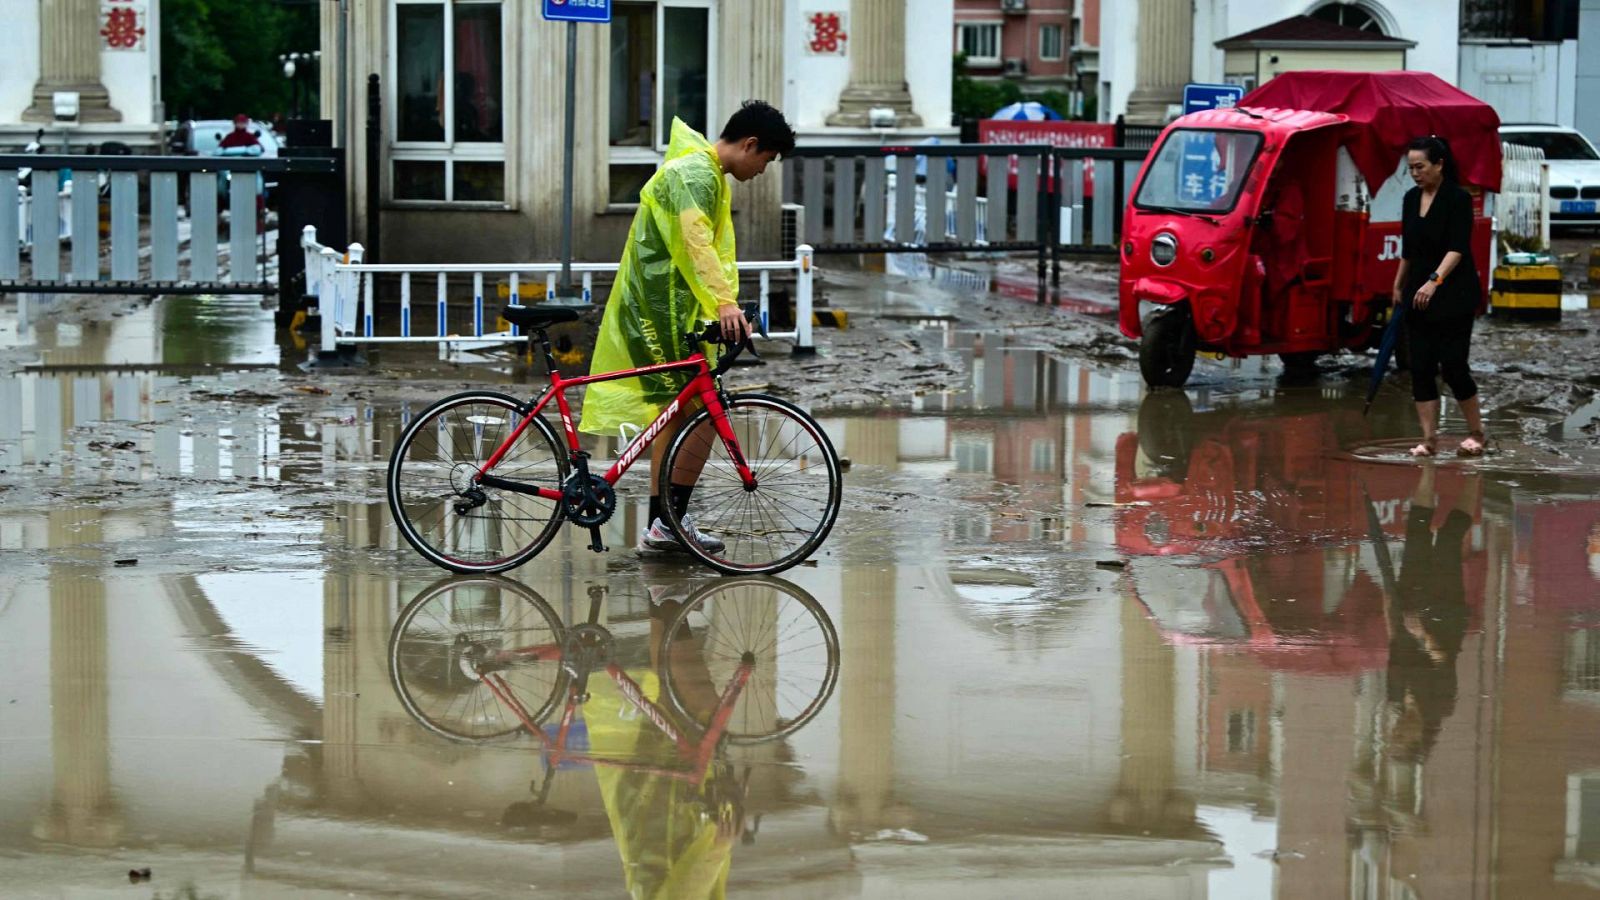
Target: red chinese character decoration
pixel 124 27
pixel 825 34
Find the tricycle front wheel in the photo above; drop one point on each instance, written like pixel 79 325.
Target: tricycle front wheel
pixel 1166 352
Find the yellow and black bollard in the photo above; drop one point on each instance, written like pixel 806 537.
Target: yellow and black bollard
pixel 1527 293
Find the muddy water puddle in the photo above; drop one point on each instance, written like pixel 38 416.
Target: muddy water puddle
pixel 1065 637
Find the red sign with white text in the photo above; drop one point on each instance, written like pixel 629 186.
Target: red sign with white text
pixel 1054 133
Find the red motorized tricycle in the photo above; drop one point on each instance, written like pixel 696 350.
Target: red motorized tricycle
pixel 1273 227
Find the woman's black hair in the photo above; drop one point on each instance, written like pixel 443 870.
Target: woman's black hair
pixel 1438 151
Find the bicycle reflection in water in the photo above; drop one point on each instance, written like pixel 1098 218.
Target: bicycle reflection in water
pixel 735 662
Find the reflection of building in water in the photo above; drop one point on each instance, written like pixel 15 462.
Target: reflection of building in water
pixel 83 811
pixel 1028 440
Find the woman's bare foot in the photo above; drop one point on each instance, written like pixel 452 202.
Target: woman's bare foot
pixel 1426 449
pixel 1473 445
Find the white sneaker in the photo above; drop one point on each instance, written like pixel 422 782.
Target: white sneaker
pixel 658 538
pixel 707 542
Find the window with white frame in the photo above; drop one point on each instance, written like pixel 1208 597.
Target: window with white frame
pixel 1043 453
pixel 980 41
pixel 1583 817
pixel 447 90
pixel 1050 42
pixel 662 66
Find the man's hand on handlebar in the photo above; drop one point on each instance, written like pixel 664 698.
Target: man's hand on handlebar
pixel 735 327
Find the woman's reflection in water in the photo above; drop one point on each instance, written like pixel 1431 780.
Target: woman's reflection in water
pixel 1427 618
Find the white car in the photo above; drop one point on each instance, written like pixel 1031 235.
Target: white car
pixel 1574 170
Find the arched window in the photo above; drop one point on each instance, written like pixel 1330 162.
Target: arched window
pixel 1350 15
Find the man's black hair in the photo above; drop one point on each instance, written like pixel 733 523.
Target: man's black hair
pixel 762 121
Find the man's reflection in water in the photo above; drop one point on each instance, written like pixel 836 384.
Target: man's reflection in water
pixel 675 838
pixel 1427 618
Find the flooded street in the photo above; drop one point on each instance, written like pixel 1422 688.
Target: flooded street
pixel 1067 639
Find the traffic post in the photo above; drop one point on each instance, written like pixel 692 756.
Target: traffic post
pixel 572 12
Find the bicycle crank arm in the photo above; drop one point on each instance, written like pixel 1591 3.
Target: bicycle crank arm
pixel 595 543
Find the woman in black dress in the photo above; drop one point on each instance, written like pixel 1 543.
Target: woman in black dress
pixel 1439 278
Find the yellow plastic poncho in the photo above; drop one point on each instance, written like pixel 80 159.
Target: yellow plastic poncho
pixel 678 268
pixel 664 827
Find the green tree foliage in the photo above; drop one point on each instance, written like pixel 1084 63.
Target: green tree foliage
pixel 974 99
pixel 220 57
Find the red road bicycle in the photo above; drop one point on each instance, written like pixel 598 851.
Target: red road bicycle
pixel 746 660
pixel 740 661
pixel 480 482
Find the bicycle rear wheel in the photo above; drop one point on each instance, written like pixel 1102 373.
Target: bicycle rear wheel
pixel 775 628
pixel 794 504
pixel 455 636
pixel 441 510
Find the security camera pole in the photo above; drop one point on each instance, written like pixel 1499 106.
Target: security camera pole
pixel 572 12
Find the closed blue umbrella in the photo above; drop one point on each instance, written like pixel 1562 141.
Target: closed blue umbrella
pixel 1026 111
pixel 1380 364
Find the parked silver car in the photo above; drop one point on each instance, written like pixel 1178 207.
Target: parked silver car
pixel 1574 170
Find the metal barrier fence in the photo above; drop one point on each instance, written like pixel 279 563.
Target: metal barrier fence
pixel 345 289
pixel 148 229
pixel 980 198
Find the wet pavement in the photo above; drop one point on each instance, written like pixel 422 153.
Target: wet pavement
pixel 1066 638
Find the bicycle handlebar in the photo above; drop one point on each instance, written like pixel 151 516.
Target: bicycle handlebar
pixel 712 334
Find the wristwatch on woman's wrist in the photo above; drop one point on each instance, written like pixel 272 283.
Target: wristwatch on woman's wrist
pixel 1434 277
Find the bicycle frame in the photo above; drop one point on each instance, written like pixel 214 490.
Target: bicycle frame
pixel 699 754
pixel 702 385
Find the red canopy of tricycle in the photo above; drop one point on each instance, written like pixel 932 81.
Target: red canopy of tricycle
pixel 1387 110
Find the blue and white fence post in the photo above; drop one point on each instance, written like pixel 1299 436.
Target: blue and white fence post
pixel 804 257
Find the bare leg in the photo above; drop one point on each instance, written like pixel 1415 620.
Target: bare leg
pixel 1473 445
pixel 1428 415
pixel 1426 495
pixel 693 458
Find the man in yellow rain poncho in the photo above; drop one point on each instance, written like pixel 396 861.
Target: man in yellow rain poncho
pixel 678 273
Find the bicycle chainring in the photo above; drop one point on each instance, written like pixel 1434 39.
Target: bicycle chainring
pixel 580 510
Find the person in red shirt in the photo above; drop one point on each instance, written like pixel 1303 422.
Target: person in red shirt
pixel 241 135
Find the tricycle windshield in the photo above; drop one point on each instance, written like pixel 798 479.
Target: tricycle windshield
pixel 1198 170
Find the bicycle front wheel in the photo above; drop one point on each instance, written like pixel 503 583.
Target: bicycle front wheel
pixel 791 509
pixel 767 633
pixel 441 509
pixel 477 659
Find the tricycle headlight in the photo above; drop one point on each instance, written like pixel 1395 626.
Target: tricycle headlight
pixel 1164 249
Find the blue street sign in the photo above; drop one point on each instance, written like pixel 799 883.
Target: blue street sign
pixel 1202 175
pixel 597 11
pixel 1210 96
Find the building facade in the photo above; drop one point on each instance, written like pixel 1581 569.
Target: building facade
pixel 472 96
pixel 1043 45
pixel 85 71
pixel 1151 48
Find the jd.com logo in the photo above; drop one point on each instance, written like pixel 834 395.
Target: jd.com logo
pixel 1391 248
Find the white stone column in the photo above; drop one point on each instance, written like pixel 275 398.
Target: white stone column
pixel 535 144
pixel 752 67
pixel 69 60
pixel 876 43
pixel 1166 52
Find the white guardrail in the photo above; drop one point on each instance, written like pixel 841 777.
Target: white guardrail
pixel 345 290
